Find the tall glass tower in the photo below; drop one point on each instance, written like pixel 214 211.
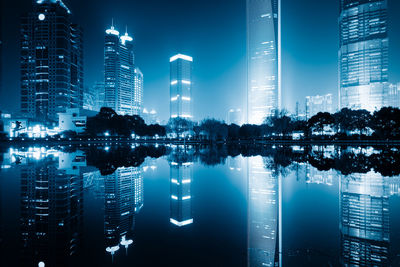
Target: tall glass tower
pixel 51 61
pixel 363 54
pixel 181 86
pixel 119 72
pixel 138 95
pixel 263 59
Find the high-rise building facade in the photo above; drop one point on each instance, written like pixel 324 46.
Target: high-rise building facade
pixel 119 72
pixel 318 103
pixel 363 54
pixel 138 97
pixel 51 61
pixel 263 59
pixel 235 117
pixel 181 87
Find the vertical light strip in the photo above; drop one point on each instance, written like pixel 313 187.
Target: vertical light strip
pixel 279 57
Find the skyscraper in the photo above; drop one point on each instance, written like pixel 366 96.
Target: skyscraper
pixel 51 61
pixel 363 54
pixel 138 97
pixel 119 72
pixel 181 87
pixel 263 59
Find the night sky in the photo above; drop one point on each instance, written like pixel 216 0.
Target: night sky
pixel 214 33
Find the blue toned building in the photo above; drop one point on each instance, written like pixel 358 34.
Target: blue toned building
pixel 363 54
pixel 181 103
pixel 51 61
pixel 263 59
pixel 119 73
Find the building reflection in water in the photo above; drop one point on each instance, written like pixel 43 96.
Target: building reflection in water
pixel 181 178
pixel 264 215
pixel 123 191
pixel 364 219
pixel 51 206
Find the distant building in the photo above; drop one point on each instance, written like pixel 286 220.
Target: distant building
pixel 263 59
pixel 394 95
pixel 363 54
pixel 318 103
pixel 181 87
pixel 51 61
pixel 119 73
pixel 138 93
pixel 93 97
pixel 71 120
pixel 235 116
pixel 150 117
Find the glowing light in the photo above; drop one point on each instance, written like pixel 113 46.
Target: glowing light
pixel 183 223
pixel 106 134
pixel 186 181
pixel 112 250
pixel 125 242
pixel 186 197
pixel 113 31
pixel 174 197
pixel 180 56
pixel 185 98
pixel 174 181
pixel 41 16
pixel 41 264
pixel 186 82
pixel 174 98
pixel 174 82
pixel 126 38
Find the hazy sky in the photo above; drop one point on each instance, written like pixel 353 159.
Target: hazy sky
pixel 214 33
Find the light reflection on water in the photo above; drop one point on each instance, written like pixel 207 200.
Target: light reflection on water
pixel 200 206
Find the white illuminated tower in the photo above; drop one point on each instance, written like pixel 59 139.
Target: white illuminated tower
pixel 51 61
pixel 181 87
pixel 263 59
pixel 119 72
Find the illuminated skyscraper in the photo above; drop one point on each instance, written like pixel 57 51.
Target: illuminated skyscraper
pixel 263 59
pixel 138 97
pixel 119 72
pixel 181 87
pixel 93 97
pixel 51 61
pixel 364 219
pixel 264 211
pixel 363 54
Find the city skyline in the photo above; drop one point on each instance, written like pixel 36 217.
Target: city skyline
pixel 153 94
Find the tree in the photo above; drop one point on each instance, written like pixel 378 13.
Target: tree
pixel 319 121
pixel 386 122
pixel 216 130
pixel 179 126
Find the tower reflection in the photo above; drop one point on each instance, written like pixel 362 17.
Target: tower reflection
pixel 123 196
pixel 264 215
pixel 181 177
pixel 364 219
pixel 51 208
